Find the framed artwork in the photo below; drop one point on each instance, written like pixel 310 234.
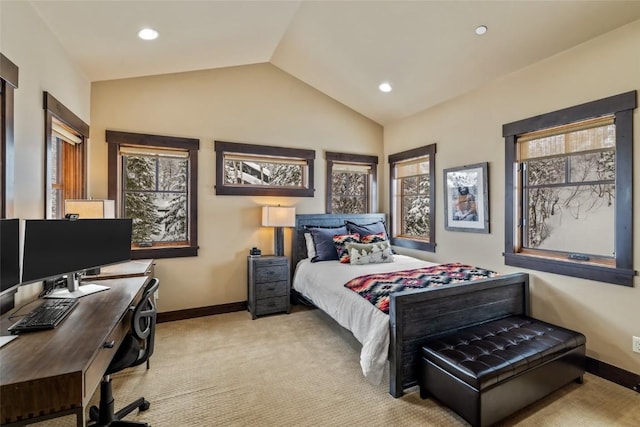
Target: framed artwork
pixel 466 204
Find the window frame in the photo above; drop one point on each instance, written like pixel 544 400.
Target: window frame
pixel 54 108
pixel 115 140
pixel 621 107
pixel 355 159
pixel 418 244
pixel 222 189
pixel 9 74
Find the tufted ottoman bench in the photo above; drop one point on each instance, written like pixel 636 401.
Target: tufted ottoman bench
pixel 489 371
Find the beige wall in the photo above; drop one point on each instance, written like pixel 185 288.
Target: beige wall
pixel 43 66
pixel 257 104
pixel 261 104
pixel 468 130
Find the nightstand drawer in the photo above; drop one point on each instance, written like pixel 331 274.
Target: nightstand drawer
pixel 272 305
pixel 272 289
pixel 271 273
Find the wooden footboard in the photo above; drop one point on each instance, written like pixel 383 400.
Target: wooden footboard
pixel 420 314
pixel 417 315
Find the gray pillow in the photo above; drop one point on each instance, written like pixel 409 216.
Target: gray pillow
pixel 323 242
pixel 366 229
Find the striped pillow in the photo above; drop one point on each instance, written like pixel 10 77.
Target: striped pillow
pixel 340 241
pixel 374 238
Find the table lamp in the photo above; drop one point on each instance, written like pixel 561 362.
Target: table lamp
pixel 278 217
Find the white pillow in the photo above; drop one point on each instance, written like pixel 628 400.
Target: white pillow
pixel 370 253
pixel 311 247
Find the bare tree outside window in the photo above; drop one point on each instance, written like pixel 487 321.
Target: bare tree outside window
pixel 351 183
pixel 568 191
pixel 570 196
pixel 349 192
pixel 274 173
pixel 262 170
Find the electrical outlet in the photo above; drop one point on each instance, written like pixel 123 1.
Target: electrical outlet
pixel 636 344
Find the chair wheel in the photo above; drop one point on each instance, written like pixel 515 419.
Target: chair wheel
pixel 94 413
pixel 145 405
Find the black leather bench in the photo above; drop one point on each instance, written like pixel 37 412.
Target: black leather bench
pixel 489 371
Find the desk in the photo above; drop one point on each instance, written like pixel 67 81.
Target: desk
pixel 52 373
pixel 139 267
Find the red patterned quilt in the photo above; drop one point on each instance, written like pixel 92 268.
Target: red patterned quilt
pixel 376 288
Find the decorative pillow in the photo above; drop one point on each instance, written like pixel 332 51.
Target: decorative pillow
pixel 370 253
pixel 323 242
pixel 311 249
pixel 366 229
pixel 374 238
pixel 340 240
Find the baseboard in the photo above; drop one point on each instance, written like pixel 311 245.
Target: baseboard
pixel 189 313
pixel 614 374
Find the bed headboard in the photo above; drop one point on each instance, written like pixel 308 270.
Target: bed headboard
pixel 298 245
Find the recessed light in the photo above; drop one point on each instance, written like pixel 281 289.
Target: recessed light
pixel 385 87
pixel 148 34
pixel 482 29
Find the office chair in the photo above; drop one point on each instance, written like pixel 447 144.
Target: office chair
pixel 136 349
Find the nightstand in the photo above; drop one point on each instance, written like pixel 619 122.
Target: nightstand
pixel 267 284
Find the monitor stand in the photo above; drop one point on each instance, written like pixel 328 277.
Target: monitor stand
pixel 75 289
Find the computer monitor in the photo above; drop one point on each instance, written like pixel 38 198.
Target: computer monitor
pixel 53 248
pixel 9 255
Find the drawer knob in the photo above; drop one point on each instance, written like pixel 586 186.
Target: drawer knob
pixel 109 344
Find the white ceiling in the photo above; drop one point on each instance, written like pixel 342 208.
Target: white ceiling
pixel 427 50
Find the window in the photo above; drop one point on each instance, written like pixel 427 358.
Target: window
pixel 65 171
pixel 8 82
pixel 351 183
pixel 154 181
pixel 569 190
pixel 260 170
pixel 413 198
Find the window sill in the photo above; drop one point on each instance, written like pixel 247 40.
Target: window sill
pixel 420 245
pixel 617 276
pixel 164 252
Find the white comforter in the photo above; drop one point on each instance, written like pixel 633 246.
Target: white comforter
pixel 323 283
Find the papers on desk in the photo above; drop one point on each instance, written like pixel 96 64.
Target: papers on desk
pixel 83 290
pixel 7 339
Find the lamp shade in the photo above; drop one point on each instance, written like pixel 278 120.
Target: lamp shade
pixel 278 216
pixel 93 208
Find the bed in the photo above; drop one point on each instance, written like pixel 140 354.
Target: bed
pixel 414 315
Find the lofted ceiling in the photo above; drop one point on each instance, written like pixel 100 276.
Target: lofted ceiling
pixel 427 50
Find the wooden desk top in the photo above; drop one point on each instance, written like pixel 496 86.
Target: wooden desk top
pixel 139 267
pixel 51 371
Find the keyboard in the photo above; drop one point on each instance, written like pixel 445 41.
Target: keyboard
pixel 46 316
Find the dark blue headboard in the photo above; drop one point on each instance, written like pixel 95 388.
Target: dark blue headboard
pixel 298 245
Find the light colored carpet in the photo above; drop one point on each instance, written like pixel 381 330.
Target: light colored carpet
pixel 302 369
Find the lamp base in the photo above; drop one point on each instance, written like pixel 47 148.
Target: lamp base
pixel 278 241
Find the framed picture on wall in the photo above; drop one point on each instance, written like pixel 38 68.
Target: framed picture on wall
pixel 466 204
